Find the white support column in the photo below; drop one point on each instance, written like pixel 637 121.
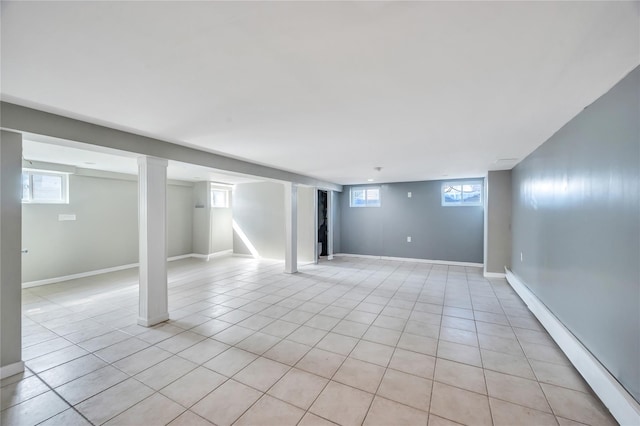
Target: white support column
pixel 10 254
pixel 330 204
pixel 291 228
pixel 152 224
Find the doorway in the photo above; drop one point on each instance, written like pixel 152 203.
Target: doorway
pixel 322 225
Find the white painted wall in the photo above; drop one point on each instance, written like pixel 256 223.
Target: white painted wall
pixel 258 211
pixel 105 232
pixel 306 224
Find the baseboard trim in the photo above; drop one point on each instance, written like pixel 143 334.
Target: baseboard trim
pixel 620 403
pixel 153 321
pixel 494 275
pixel 119 268
pixel 11 369
pixel 410 259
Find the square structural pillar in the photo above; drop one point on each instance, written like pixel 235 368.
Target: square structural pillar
pixel 152 229
pixel 10 254
pixel 291 228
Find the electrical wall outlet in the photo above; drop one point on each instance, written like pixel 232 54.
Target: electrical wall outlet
pixel 65 217
pixel 408 239
pixel 409 194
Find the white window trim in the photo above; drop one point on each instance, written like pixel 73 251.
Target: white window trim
pixel 226 190
pixel 462 182
pixel 65 186
pixel 365 188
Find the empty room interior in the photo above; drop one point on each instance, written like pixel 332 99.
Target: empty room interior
pixel 320 213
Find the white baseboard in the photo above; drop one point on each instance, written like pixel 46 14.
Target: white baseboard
pixel 410 259
pixel 494 275
pixel 11 369
pixel 153 321
pixel 119 268
pixel 619 402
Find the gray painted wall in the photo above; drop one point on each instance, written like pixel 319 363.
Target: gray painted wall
pixel 337 220
pixel 497 253
pixel 438 233
pixel 576 214
pixel 221 230
pixel 258 209
pixel 10 222
pixel 105 232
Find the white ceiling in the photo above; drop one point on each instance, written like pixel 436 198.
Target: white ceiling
pixel 327 89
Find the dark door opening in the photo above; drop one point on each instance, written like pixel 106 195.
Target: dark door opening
pixel 323 234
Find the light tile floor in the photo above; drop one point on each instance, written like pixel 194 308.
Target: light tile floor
pixel 350 341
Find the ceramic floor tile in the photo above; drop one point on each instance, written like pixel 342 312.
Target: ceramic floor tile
pixel 258 343
pixel 350 328
pixel 210 328
pixel 155 410
pixel 71 370
pixel 337 343
pixel 261 374
pixel 193 386
pixel 159 333
pixel 287 352
pixel 321 362
pixel 456 335
pixel 577 406
pixel 299 388
pixel 165 372
pixel 311 419
pixel 56 358
pixel 224 405
pixel 390 322
pixel 15 393
pixel 384 412
pixel 189 418
pixel 406 389
pixel 459 353
pixel 517 390
pixel 307 335
pixel 508 364
pixel 415 343
pixel 505 414
pixel 439 421
pixel 133 364
pixel 342 404
pixel 108 404
pixel 68 417
pixel 180 342
pixel 232 335
pixel 270 411
pixel 256 322
pixel 34 410
pixel 230 362
pixel 203 351
pixel 280 328
pixel 359 374
pixel 381 335
pixel 509 346
pixel 413 363
pixel 122 349
pixel 44 348
pixel 101 342
pixel 463 376
pixel 545 353
pixel 372 352
pixel 559 375
pixel 460 405
pixel 423 329
pixel 90 384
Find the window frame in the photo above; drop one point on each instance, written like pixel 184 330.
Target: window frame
pixel 64 199
pixel 366 189
pixel 461 183
pixel 227 197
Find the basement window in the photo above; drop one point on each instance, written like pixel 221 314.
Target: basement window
pixel 44 187
pixel 364 197
pixel 462 193
pixel 219 198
